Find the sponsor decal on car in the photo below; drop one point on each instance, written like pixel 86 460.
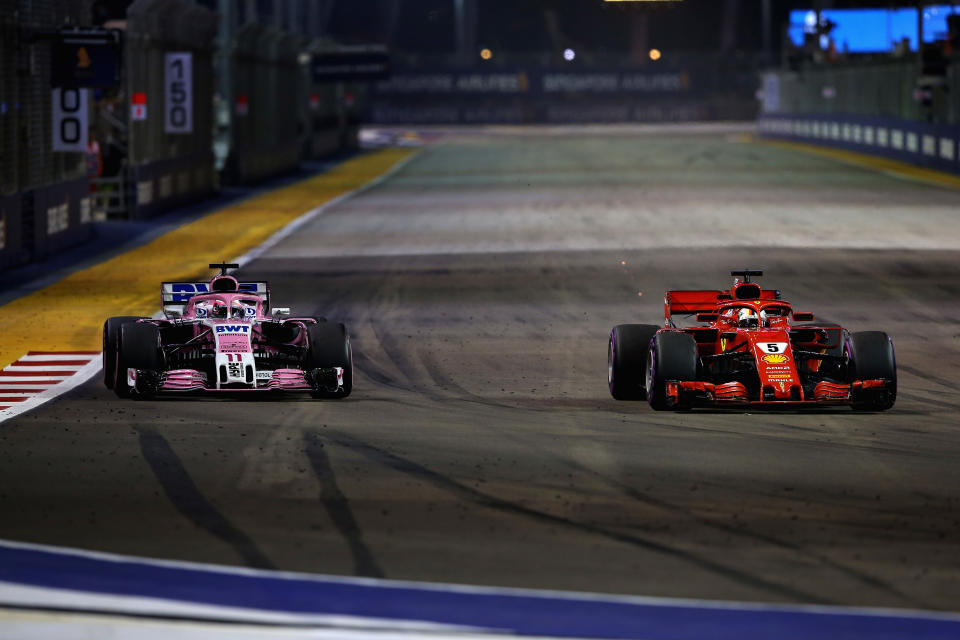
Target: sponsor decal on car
pixel 233 328
pixel 183 291
pixel 780 376
pixel 775 358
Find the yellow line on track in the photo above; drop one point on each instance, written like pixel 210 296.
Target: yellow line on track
pixel 69 314
pixel 885 165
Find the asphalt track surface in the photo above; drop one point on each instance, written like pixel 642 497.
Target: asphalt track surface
pixel 481 446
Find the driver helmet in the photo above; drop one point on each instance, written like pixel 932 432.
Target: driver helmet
pixel 240 310
pixel 747 318
pixel 219 309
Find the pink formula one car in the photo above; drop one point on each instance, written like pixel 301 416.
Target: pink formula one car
pixel 224 337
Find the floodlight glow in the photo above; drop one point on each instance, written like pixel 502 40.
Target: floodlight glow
pixel 655 54
pixel 486 54
pixel 569 54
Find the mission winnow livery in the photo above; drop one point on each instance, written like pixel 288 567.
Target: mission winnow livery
pixel 748 350
pixel 223 336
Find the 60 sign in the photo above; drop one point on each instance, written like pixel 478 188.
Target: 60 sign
pixel 70 120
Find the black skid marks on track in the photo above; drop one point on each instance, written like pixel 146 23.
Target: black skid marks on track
pixel 412 468
pixel 186 497
pixel 338 508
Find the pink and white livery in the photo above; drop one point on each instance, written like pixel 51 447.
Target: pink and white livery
pixel 223 336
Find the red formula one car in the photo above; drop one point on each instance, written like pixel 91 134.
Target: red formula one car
pixel 747 351
pixel 223 336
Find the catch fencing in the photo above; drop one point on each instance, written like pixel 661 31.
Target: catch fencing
pixel 267 98
pixel 168 54
pixel 884 107
pixel 44 206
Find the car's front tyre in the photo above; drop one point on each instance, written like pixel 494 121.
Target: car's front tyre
pixel 111 337
pixel 672 356
pixel 138 347
pixel 626 359
pixel 873 359
pixel 330 347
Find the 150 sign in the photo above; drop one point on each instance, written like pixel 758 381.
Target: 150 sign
pixel 178 98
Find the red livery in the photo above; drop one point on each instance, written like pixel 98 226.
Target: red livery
pixel 747 350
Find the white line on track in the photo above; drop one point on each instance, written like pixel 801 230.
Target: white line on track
pixel 45 367
pixel 26 596
pixel 16 376
pixel 267 244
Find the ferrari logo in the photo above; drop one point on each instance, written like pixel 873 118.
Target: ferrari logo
pixel 723 344
pixel 83 58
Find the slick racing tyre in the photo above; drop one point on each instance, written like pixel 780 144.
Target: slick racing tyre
pixel 873 359
pixel 672 356
pixel 330 347
pixel 137 348
pixel 626 360
pixel 111 337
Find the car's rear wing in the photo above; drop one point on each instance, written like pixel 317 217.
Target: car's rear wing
pixel 691 302
pixel 175 295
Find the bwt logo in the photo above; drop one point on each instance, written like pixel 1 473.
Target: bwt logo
pixel 183 291
pixel 233 328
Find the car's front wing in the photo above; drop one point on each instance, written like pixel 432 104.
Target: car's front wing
pixel 191 380
pixel 687 393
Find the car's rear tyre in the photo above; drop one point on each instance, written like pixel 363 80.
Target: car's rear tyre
pixel 111 337
pixel 627 358
pixel 138 347
pixel 873 359
pixel 330 347
pixel 672 356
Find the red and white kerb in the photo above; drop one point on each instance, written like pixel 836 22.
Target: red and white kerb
pixel 41 374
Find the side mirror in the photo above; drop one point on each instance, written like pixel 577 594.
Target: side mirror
pixel 707 317
pixel 802 316
pixel 172 314
pixel 280 312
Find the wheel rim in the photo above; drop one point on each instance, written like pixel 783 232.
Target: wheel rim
pixel 651 370
pixel 610 363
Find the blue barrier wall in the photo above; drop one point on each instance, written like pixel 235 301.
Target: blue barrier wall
pixel 335 604
pixel 12 248
pixel 934 146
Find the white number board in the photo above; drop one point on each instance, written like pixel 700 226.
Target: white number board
pixel 70 120
pixel 178 94
pixel 774 347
